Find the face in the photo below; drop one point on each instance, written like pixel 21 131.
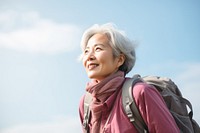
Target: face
pixel 98 58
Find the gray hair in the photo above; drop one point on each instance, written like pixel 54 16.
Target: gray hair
pixel 119 42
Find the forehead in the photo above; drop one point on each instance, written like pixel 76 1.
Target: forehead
pixel 98 39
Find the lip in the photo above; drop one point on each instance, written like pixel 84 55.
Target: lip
pixel 91 66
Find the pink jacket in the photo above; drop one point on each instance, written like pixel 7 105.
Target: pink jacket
pixel 151 106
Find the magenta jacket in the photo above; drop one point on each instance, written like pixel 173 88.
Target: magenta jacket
pixel 151 106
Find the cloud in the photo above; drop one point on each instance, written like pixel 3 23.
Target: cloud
pixel 59 125
pixel 189 82
pixel 185 74
pixel 190 76
pixel 28 32
pixel 187 77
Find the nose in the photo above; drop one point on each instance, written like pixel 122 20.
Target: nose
pixel 90 56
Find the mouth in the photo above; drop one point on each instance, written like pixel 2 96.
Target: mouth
pixel 92 66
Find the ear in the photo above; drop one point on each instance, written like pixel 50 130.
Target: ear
pixel 121 59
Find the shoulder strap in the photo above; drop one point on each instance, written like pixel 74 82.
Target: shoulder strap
pixel 87 101
pixel 129 105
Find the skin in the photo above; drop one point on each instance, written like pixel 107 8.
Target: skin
pixel 98 58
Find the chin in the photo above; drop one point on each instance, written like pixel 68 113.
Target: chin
pixel 93 76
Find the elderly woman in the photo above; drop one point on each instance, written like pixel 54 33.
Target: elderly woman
pixel 108 55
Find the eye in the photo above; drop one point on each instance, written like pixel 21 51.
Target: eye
pixel 86 51
pixel 98 49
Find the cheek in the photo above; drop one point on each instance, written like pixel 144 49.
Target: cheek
pixel 84 62
pixel 107 62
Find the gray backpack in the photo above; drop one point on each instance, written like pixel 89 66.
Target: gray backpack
pixel 172 96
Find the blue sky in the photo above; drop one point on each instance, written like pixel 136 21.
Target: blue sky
pixel 41 81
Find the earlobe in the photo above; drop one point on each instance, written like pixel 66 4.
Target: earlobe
pixel 121 60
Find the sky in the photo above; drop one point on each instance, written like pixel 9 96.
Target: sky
pixel 41 79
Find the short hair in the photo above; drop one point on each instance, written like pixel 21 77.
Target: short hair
pixel 119 42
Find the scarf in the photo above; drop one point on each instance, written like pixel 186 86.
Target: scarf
pixel 102 92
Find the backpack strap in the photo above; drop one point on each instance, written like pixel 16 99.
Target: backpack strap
pixel 129 105
pixel 87 113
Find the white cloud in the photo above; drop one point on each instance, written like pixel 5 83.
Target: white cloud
pixel 191 75
pixel 60 125
pixel 189 83
pixel 29 32
pixel 188 80
pixel 187 77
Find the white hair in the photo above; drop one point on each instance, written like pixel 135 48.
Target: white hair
pixel 119 42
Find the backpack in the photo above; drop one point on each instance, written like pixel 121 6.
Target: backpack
pixel 177 105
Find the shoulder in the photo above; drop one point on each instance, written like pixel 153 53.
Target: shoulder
pixel 81 101
pixel 141 87
pixel 144 91
pixel 81 104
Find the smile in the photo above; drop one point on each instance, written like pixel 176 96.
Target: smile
pixel 92 66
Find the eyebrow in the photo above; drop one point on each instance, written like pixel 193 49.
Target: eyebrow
pixel 98 44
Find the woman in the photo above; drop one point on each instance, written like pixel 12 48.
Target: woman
pixel 108 55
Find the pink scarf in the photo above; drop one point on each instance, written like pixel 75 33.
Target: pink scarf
pixel 104 91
